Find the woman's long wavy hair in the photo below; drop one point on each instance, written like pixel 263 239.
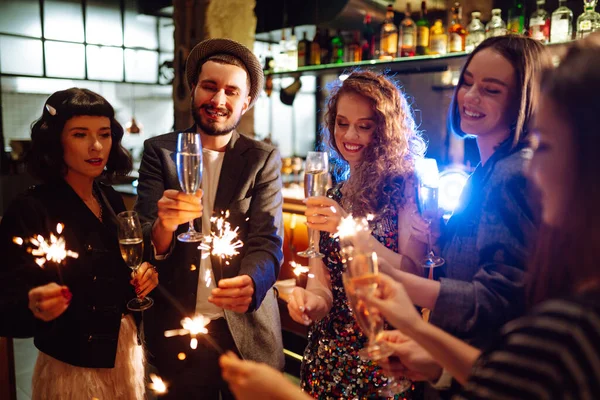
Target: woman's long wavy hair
pixel 566 258
pixel 378 184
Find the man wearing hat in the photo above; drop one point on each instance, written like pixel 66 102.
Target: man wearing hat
pixel 240 175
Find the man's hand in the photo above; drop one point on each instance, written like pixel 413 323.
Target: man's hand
pixel 233 294
pixel 174 208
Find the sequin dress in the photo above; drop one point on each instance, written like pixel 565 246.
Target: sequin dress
pixel 331 368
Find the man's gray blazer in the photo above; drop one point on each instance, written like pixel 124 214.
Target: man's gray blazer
pixel 250 188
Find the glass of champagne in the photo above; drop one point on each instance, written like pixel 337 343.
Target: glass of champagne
pixel 316 173
pixel 131 242
pixel 427 202
pixel 360 280
pixel 189 172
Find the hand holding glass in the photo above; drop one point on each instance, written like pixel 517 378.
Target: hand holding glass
pixel 315 184
pixel 131 242
pixel 189 172
pixel 360 280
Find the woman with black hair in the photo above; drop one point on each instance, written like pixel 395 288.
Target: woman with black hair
pixel 76 311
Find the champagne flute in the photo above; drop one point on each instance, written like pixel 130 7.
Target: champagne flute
pixel 360 281
pixel 315 184
pixel 131 243
pixel 427 202
pixel 189 172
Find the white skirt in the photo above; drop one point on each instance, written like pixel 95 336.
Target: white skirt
pixel 54 379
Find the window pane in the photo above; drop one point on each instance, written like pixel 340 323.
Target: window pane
pixel 105 63
pixel 63 20
pixel 166 30
pixel 141 66
pixel 140 30
pixel 65 60
pixel 103 22
pixel 21 56
pixel 21 18
pixel 166 72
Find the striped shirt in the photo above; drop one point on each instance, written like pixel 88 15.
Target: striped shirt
pixel 554 353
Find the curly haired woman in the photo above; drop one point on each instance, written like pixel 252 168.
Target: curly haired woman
pixel 371 135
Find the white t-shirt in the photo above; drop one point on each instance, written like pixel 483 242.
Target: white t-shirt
pixel 212 161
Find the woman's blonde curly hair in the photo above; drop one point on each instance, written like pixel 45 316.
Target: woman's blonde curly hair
pixel 378 184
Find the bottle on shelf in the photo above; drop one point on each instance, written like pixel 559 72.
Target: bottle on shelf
pixel 408 35
pixel 353 50
pixel 561 28
pixel 496 26
pixel 325 45
pixel 337 48
pixel 475 32
pixel 388 42
pixel 292 51
pixel 516 18
pixel 281 55
pixel 589 21
pixel 315 48
pixel 456 31
pixel 304 51
pixel 368 42
pixel 438 40
pixel 539 23
pixel 423 31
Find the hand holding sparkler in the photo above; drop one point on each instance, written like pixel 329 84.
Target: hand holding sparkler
pixel 50 301
pixel 234 294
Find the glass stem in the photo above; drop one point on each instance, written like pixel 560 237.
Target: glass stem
pixel 191 228
pixel 311 240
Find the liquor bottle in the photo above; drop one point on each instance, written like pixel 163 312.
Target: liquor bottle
pixel 325 47
pixel 281 63
pixel 292 51
pixel 476 32
pixel 388 42
pixel 561 29
pixel 368 42
pixel 337 48
pixel 516 18
pixel 589 21
pixel 539 23
pixel 304 51
pixel 423 31
pixel 315 49
pixel 496 26
pixel 456 32
pixel 438 40
pixel 408 35
pixel 353 51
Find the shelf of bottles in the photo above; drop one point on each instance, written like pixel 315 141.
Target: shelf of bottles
pixel 414 41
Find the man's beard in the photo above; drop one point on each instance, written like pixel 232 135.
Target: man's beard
pixel 210 127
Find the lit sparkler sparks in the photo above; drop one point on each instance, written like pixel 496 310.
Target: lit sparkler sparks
pixel 353 233
pixel 44 250
pixel 157 384
pixel 223 242
pixel 300 269
pixel 191 326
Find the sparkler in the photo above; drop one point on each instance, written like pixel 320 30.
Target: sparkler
pixel 222 242
pixel 157 384
pixel 194 326
pixel 353 234
pixel 300 269
pixel 44 250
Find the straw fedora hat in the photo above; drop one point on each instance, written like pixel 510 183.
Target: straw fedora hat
pixel 206 49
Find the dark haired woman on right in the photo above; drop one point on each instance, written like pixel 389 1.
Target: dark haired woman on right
pixel 88 342
pixel 488 239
